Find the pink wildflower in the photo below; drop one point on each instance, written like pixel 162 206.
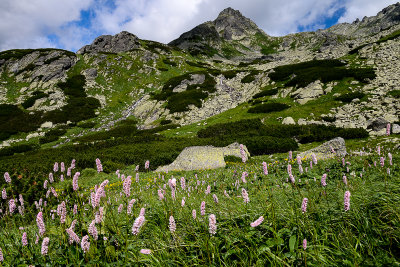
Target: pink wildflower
pixel 245 196
pixel 215 198
pixel 160 194
pixel 51 178
pixel 382 161
pixel 212 224
pixel 194 214
pixel 55 168
pixel 244 175
pixel 85 244
pixel 4 194
pixel 290 155
pixel 72 236
pixel 304 244
pixel 137 225
pixel 98 165
pixel 121 206
pixel 390 159
pixel 24 239
pixel 145 251
pixel 1 256
pixel 183 183
pixel 45 246
pixel 291 177
pixel 12 206
pixel 63 212
pixel 127 186
pixel 304 205
pixel 7 177
pixel 289 169
pixel 323 179
pixel 257 222
pixel 298 158
pixel 314 158
pixel 388 129
pixel 147 164
pixel 172 224
pixel 75 181
pixel 92 230
pixel 203 208
pixel 40 223
pixel 347 200
pixel 62 167
pixel 183 202
pixel 130 205
pixel 345 179
pixel 265 168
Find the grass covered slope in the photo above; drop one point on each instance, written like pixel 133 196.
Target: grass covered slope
pixel 260 218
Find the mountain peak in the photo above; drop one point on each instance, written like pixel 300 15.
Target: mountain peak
pixel 230 12
pixel 231 24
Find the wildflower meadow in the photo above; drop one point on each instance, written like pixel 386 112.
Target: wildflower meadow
pixel 256 212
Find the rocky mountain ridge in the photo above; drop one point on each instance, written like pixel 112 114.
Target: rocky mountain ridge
pixel 216 68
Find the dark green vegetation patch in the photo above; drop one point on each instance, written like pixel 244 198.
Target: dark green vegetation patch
pixel 31 100
pixel 347 98
pixel 268 107
pixel 193 95
pixel 394 93
pixel 302 74
pixel 267 92
pixel 20 53
pixel 303 133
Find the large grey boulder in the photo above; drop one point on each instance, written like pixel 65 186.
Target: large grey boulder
pixel 324 151
pixel 377 124
pixel 310 92
pixel 203 157
pixel 395 128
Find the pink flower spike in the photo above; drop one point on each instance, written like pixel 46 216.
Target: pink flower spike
pixel 347 200
pixel 304 244
pixel 145 251
pixel 257 222
pixel 7 177
pixel 304 205
pixel 45 246
pixel 212 224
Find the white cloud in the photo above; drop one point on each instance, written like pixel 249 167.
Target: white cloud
pixel 44 23
pixel 360 8
pixel 28 23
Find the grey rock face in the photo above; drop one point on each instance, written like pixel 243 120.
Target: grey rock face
pixel 229 25
pixel 377 124
pixel 395 128
pixel 385 19
pixel 203 157
pixel 325 150
pixel 121 42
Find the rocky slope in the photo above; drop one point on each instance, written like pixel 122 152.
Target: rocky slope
pixel 215 68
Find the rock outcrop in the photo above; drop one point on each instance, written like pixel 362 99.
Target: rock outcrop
pixel 330 149
pixel 203 157
pixel 121 42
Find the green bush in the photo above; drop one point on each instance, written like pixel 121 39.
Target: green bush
pixel 229 74
pixel 328 119
pixel 394 93
pixel 180 102
pixel 302 74
pixel 87 125
pixel 11 150
pixel 74 86
pixel 347 98
pixel 242 127
pixel 164 122
pixel 268 107
pixel 167 61
pixel 31 100
pixel 250 77
pixel 268 92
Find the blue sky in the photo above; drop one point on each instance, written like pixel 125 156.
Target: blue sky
pixel 74 23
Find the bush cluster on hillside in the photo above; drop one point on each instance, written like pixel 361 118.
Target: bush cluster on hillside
pixel 304 73
pixel 267 92
pixel 193 95
pixel 268 107
pixel 347 98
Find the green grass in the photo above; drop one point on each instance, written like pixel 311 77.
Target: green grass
pixel 365 235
